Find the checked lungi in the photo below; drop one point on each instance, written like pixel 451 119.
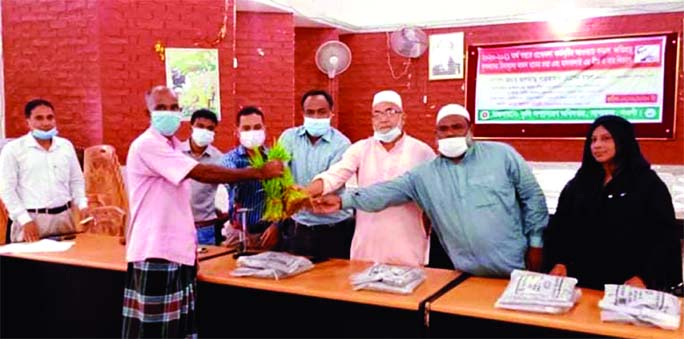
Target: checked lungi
pixel 159 300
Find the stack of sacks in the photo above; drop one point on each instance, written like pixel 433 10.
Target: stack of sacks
pixel 537 292
pixel 388 278
pixel 640 306
pixel 274 265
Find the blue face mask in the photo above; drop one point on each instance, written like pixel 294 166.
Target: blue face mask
pixel 166 122
pixel 44 135
pixel 316 127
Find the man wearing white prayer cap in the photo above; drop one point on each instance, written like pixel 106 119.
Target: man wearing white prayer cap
pixel 456 135
pixel 396 235
pixel 484 203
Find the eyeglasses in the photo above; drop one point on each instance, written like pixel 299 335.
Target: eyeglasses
pixel 390 112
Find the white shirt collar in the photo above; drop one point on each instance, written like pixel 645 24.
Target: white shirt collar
pixel 30 141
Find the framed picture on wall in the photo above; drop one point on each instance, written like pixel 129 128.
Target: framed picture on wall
pixel 446 56
pixel 193 74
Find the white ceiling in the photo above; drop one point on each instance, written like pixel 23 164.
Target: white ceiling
pixel 386 15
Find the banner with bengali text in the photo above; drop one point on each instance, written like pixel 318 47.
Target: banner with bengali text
pixel 571 82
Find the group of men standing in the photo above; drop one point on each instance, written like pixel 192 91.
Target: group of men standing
pixel 480 198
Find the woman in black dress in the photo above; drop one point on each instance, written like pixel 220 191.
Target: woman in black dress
pixel 615 223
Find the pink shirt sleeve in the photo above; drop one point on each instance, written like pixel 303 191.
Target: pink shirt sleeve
pixel 341 171
pixel 427 153
pixel 165 161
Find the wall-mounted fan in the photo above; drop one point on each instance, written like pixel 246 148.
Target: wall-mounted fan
pixel 410 42
pixel 333 58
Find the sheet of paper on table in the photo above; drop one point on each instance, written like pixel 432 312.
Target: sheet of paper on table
pixel 44 245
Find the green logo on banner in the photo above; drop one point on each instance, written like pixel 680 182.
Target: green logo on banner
pixel 551 115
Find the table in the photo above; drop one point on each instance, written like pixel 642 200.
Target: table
pixel 329 279
pixel 76 293
pixel 319 302
pixel 474 298
pixel 100 251
pixel 79 293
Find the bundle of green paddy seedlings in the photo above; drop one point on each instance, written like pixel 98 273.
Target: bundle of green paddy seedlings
pixel 283 197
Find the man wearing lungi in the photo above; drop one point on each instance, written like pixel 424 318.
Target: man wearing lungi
pixel 159 297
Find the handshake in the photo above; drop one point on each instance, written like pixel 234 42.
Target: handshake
pixel 325 204
pixel 317 202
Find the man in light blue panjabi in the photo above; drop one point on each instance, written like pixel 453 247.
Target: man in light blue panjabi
pixel 315 146
pixel 484 202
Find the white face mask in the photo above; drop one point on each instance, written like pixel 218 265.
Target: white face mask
pixel 388 136
pixel 453 147
pixel 252 139
pixel 202 137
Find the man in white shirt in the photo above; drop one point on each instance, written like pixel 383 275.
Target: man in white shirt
pixel 396 235
pixel 40 177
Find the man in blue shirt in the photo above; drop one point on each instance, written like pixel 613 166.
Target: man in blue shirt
pixel 484 202
pixel 251 131
pixel 314 147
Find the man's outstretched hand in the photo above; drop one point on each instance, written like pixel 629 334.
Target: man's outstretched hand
pixel 272 169
pixel 326 204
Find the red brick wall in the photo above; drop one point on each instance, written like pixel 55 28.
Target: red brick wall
pixel 50 51
pixel 95 59
pixel 130 65
pixel 369 73
pixel 307 75
pixel 265 76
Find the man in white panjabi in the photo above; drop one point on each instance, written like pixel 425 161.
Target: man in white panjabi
pixel 397 234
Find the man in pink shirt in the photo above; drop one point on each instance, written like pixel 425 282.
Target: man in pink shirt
pixel 161 251
pixel 397 234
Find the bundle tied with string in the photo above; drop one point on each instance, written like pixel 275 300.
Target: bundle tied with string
pixel 283 197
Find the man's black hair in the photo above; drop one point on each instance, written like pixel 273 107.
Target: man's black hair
pixel 316 92
pixel 248 110
pixel 204 113
pixel 31 105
